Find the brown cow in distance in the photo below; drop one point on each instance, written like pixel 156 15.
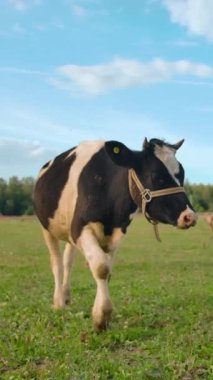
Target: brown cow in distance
pixel 209 219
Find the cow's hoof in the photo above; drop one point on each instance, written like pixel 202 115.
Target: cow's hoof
pixel 101 322
pixel 57 305
pixel 66 296
pixel 100 326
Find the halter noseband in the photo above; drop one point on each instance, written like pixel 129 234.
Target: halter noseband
pixel 147 195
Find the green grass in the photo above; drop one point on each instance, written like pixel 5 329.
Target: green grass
pixel 162 322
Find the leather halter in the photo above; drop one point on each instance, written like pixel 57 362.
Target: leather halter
pixel 147 195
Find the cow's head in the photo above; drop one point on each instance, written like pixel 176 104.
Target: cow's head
pixel 157 168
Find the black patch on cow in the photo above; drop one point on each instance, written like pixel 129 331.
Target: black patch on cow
pixel 160 143
pixel 49 186
pixel 103 196
pixel 120 154
pixel 45 165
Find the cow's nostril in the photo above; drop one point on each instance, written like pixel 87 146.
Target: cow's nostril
pixel 188 219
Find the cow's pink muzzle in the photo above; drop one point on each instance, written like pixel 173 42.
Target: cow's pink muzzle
pixel 187 219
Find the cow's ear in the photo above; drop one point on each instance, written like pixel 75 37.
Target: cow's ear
pixel 119 153
pixel 146 144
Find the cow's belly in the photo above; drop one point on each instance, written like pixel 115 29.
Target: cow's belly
pixel 59 226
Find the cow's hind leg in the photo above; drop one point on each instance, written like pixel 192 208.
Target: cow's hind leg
pixel 99 265
pixel 57 268
pixel 68 257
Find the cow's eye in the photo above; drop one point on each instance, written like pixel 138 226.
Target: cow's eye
pixel 161 181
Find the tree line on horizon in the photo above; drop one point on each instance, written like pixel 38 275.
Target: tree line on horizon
pixel 16 196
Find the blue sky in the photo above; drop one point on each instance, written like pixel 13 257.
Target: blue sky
pixel 96 69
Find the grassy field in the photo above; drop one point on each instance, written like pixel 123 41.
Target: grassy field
pixel 162 322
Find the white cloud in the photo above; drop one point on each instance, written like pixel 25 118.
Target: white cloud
pixel 58 24
pixel 121 73
pixel 41 28
pixel 205 109
pixel 21 5
pixel 78 10
pixel 23 149
pixel 22 158
pixel 183 43
pixel 26 123
pixel 193 83
pixel 18 29
pixel 195 15
pixel 16 70
pixel 83 9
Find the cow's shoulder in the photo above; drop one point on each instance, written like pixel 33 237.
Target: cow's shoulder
pixel 103 196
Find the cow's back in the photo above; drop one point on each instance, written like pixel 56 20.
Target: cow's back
pixel 57 188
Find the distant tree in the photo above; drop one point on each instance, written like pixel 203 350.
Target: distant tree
pixel 201 196
pixel 9 207
pixel 3 187
pixel 27 189
pixel 16 196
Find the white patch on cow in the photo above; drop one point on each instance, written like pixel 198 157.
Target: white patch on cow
pixel 100 265
pixel 43 170
pixel 61 269
pixel 68 258
pixel 167 156
pixel 137 211
pixel 109 243
pixel 70 154
pixel 60 223
pixel 57 268
pixel 189 208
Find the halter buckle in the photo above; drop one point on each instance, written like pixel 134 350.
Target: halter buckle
pixel 146 195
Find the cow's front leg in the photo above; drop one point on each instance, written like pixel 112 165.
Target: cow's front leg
pixel 102 308
pixel 99 265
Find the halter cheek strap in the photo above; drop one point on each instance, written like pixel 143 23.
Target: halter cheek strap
pixel 147 195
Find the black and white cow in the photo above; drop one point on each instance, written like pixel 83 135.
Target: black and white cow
pixel 84 197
